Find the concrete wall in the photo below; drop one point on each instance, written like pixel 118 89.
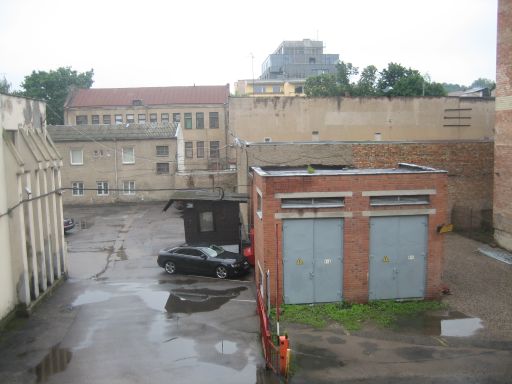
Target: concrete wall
pixel 33 255
pixel 356 227
pixel 359 119
pixel 469 165
pixel 208 180
pixel 102 161
pixel 503 141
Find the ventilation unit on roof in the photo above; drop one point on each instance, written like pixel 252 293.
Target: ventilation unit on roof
pixel 136 102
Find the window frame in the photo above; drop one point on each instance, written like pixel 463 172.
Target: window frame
pixel 95 119
pixel 84 119
pixel 188 120
pixel 130 118
pixel 153 117
pixel 199 120
pixel 394 200
pixel 189 149
pixel 165 152
pixel 213 120
pixel 79 190
pixel 139 120
pixel 130 191
pixel 164 117
pixel 214 150
pixel 118 119
pixel 200 149
pixel 159 171
pixel 107 119
pixel 209 225
pixel 313 202
pixel 71 150
pixel 124 159
pixel 102 188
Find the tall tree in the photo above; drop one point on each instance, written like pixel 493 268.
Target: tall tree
pixel 344 74
pixel 367 84
pixel 321 86
pixel 5 86
pixel 483 83
pixel 54 86
pixel 391 75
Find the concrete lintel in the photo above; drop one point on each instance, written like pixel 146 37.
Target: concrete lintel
pixel 401 192
pixel 300 195
pixel 399 212
pixel 311 215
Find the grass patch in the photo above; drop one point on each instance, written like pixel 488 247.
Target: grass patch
pixel 352 316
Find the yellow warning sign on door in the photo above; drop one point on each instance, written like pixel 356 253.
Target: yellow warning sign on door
pixel 299 261
pixel 385 259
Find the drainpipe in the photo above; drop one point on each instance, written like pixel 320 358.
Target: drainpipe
pixel 115 165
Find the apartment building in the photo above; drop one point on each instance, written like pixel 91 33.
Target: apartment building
pixel 116 163
pixel 200 110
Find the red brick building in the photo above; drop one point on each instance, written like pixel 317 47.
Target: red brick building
pixel 327 234
pixel 503 137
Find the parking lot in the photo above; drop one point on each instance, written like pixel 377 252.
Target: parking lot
pixel 120 318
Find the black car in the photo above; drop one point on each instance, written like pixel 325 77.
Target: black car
pixel 69 224
pixel 204 260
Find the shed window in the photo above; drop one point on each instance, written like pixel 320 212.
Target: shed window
pixel 206 221
pixel 315 202
pixel 399 200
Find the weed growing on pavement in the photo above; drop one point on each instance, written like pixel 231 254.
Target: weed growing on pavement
pixel 352 316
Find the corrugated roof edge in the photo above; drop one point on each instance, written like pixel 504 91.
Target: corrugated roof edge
pixel 60 133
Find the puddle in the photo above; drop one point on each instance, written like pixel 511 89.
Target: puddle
pixel 447 323
pixel 55 361
pixel 226 347
pixel 178 281
pixel 199 300
pixel 91 297
pixel 309 357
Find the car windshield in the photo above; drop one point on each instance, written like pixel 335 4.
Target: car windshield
pixel 213 250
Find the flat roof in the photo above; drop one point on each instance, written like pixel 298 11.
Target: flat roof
pixel 322 170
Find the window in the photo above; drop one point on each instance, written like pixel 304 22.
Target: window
pixel 176 117
pixel 214 149
pixel 214 119
pixel 97 153
pixel 162 168
pixel 276 89
pixel 314 202
pixel 128 155
pixel 141 118
pixel 137 102
pixel 102 188
pixel 162 150
pixel 130 118
pixel 259 89
pixel 77 188
pixel 188 121
pixel 81 119
pixel 95 119
pixel 200 149
pixel 259 204
pixel 129 187
pixel 299 90
pixel 164 117
pixel 119 119
pixel 107 119
pixel 199 120
pixel 312 60
pixel 400 200
pixel 189 149
pixel 77 156
pixel 153 118
pixel 206 221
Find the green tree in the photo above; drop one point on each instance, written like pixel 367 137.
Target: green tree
pixel 321 86
pixel 54 86
pixel 344 74
pixel 5 86
pixel 390 76
pixel 450 87
pixel 367 84
pixel 483 83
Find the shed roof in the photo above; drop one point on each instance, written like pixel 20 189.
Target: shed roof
pixel 111 97
pixel 106 132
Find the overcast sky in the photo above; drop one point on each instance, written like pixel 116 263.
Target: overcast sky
pixel 165 43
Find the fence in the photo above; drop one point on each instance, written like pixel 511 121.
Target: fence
pixel 270 350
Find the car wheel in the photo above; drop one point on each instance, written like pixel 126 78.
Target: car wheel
pixel 221 272
pixel 170 267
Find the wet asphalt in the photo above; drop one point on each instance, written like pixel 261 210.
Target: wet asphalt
pixel 120 318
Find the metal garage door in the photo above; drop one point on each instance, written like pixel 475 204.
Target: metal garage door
pixel 398 249
pixel 312 260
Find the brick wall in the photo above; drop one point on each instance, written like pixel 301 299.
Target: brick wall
pixel 268 229
pixel 503 141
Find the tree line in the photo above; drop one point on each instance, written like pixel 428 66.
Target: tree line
pixel 395 80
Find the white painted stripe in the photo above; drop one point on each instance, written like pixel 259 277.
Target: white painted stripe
pixel 399 212
pixel 311 215
pixel 401 192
